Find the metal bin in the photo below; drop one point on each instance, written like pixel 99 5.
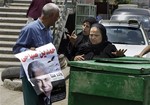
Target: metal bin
pixel 113 81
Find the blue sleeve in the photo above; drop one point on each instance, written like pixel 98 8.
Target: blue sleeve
pixel 23 42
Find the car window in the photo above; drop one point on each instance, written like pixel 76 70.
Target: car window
pixel 133 11
pixel 145 21
pixel 125 35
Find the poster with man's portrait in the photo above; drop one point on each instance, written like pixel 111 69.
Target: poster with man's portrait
pixel 43 71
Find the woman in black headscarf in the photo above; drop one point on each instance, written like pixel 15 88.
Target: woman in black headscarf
pixel 80 38
pixel 98 45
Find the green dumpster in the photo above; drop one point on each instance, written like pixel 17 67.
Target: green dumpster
pixel 115 81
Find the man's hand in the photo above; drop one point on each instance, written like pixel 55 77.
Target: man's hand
pixel 63 61
pixel 119 52
pixel 139 56
pixel 32 48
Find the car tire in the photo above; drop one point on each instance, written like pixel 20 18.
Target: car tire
pixel 10 73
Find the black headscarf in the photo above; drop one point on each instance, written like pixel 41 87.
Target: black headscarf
pixel 103 49
pixel 102 30
pixel 91 20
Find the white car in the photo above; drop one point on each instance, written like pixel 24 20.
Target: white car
pixel 141 14
pixel 127 35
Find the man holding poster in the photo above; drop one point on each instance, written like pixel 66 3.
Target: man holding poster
pixel 32 36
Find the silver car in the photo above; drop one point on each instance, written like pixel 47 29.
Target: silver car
pixel 128 35
pixel 141 14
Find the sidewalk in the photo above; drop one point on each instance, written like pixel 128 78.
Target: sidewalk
pixel 10 97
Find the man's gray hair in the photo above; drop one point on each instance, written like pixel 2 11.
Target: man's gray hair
pixel 37 65
pixel 50 9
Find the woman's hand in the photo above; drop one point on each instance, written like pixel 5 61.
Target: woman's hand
pixel 72 37
pixel 120 52
pixel 79 58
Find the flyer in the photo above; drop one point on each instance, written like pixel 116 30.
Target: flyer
pixel 43 71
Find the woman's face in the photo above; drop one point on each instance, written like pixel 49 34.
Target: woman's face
pixel 95 36
pixel 86 28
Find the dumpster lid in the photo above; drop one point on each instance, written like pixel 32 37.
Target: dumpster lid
pixel 130 65
pixel 126 60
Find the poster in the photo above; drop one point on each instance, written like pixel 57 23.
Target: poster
pixel 43 71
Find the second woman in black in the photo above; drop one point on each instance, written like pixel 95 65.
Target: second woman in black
pixel 98 45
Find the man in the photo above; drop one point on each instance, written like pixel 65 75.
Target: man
pixel 144 51
pixel 40 77
pixel 34 35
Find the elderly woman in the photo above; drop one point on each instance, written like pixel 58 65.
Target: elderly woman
pixel 98 45
pixel 80 38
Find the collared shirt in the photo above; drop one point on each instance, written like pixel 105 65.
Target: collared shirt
pixel 34 35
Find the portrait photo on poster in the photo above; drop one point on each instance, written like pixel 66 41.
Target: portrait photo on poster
pixel 43 71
